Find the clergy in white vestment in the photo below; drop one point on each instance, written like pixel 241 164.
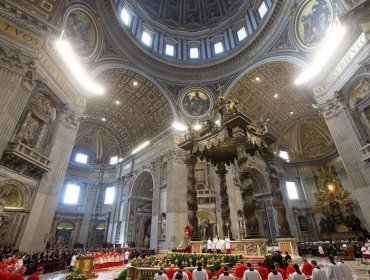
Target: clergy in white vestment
pixel 347 272
pixel 199 273
pixel 226 275
pixel 318 273
pixel 214 242
pixel 227 245
pixel 334 271
pixel 219 245
pixel 209 245
pixel 251 273
pixel 160 275
pixel 274 275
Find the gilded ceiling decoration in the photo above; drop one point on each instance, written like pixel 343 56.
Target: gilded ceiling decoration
pixel 13 196
pixel 48 10
pixel 132 110
pixel 191 14
pixel 268 92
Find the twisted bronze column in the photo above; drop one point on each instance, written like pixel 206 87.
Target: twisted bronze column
pixel 249 207
pixel 283 229
pixel 225 208
pixel 192 203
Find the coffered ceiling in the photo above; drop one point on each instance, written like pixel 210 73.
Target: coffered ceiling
pixel 269 92
pixel 133 109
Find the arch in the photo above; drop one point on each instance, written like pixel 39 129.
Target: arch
pixel 108 65
pixel 283 58
pixel 65 225
pixel 101 225
pixel 140 180
pixel 259 181
pixel 14 196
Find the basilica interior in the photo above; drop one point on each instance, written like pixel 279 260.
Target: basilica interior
pixel 124 121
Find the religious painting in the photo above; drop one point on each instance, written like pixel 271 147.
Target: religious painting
pixel 196 103
pixel 313 21
pixel 359 91
pixel 81 31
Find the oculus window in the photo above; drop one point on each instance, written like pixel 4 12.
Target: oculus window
pixel 113 160
pixel 219 47
pixel 262 10
pixel 109 195
pixel 126 17
pixel 146 38
pixel 81 158
pixel 71 194
pixel 292 190
pixel 170 50
pixel 194 52
pixel 242 34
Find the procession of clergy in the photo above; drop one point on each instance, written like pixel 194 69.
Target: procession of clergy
pixel 216 245
pixel 336 270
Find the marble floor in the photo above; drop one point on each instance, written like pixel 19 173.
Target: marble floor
pixel 360 271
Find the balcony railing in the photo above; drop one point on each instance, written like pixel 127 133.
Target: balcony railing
pixel 366 152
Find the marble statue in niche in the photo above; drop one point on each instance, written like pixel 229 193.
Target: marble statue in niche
pixel 163 224
pixel 359 92
pixel 29 130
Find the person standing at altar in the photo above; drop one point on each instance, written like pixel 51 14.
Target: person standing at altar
pixel 251 273
pixel 127 256
pixel 318 273
pixel 219 244
pixel 214 242
pixel 227 245
pixel 209 245
pixel 199 273
pixel 307 268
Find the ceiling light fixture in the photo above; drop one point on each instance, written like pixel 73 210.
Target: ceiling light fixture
pixel 118 102
pixel 276 95
pixel 140 147
pixel 328 49
pixel 135 83
pixel 103 119
pixel 66 52
pixel 258 79
pixel 179 126
pixel 291 112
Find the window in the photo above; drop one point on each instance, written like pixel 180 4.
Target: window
pixel 81 158
pixel 71 194
pixel 109 195
pixel 126 17
pixel 146 38
pixel 284 155
pixel 219 48
pixel 242 34
pixel 170 50
pixel 262 10
pixel 194 52
pixel 113 160
pixel 292 190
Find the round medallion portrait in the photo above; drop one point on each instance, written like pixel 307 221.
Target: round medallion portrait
pixel 196 102
pixel 313 21
pixel 80 30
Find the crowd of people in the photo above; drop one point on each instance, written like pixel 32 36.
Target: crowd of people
pixel 336 270
pixel 15 262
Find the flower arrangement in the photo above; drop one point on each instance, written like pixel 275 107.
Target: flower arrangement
pixel 269 260
pixel 76 276
pixel 191 259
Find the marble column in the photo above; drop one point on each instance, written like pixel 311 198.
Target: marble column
pixel 156 168
pixel 249 201
pixel 37 230
pixel 348 144
pixel 225 208
pixel 17 82
pixel 283 229
pixel 91 193
pixel 192 203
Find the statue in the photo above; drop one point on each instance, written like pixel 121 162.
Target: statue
pixel 185 245
pixel 26 134
pixel 163 225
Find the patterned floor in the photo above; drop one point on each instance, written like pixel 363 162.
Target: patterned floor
pixel 360 271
